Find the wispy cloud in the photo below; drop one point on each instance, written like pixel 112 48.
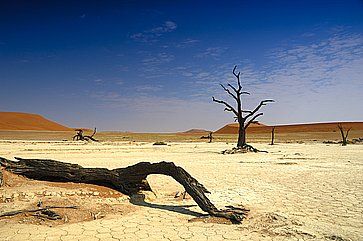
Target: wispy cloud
pixel 148 88
pixel 153 34
pixel 315 66
pixel 98 80
pixel 187 42
pixel 214 52
pixel 313 78
pixel 308 79
pixel 153 66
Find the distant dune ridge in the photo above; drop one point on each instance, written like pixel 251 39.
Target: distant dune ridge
pixel 27 121
pixel 195 131
pixel 294 128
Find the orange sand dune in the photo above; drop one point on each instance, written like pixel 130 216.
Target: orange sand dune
pixel 26 121
pixel 295 128
pixel 233 128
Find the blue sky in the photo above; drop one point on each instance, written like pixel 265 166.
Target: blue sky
pixel 152 66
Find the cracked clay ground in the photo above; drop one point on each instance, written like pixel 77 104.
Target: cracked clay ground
pixel 294 192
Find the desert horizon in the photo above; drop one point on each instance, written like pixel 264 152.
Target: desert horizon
pixel 181 120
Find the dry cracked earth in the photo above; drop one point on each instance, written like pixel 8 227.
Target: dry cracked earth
pixel 294 192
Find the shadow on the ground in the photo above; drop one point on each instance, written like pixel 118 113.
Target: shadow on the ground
pixel 139 200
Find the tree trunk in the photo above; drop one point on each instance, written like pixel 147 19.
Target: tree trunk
pixel 129 180
pixel 344 136
pixel 241 136
pixel 272 135
pixel 1 178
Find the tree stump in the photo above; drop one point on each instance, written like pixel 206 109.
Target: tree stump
pixel 129 180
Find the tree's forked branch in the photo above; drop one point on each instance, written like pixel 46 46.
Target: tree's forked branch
pixel 230 108
pixel 346 136
pixel 232 87
pixel 252 120
pixel 237 75
pixel 229 92
pixel 262 103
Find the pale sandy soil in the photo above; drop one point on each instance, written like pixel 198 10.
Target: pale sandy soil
pixel 295 192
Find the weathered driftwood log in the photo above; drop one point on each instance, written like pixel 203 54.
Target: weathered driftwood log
pixel 129 180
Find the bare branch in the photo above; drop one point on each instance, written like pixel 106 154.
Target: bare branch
pixel 253 118
pixel 347 132
pixel 228 109
pixel 234 72
pixel 229 92
pixel 262 103
pixel 246 111
pixel 226 104
pixel 245 93
pixel 235 90
pixel 94 132
pixel 237 76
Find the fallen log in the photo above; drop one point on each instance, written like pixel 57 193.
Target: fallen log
pixel 16 212
pixel 129 180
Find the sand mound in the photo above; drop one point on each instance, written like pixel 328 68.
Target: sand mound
pixel 195 131
pixel 233 128
pixel 93 202
pixel 295 128
pixel 26 121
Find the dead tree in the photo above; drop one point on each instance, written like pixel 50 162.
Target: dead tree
pixel 80 137
pixel 1 178
pixel 273 135
pixel 344 136
pixel 244 117
pixel 210 137
pixel 129 180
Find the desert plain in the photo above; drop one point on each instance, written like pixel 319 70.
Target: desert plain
pixel 299 190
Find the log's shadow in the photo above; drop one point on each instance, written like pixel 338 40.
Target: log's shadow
pixel 139 200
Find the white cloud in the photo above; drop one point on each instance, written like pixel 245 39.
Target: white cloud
pixel 214 52
pixel 311 80
pixel 319 81
pixel 314 80
pixel 187 42
pixel 153 34
pixel 153 66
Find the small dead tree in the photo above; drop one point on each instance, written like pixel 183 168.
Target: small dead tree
pixel 80 137
pixel 244 117
pixel 1 178
pixel 344 136
pixel 273 135
pixel 210 137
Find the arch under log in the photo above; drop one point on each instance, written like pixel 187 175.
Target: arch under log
pixel 129 180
